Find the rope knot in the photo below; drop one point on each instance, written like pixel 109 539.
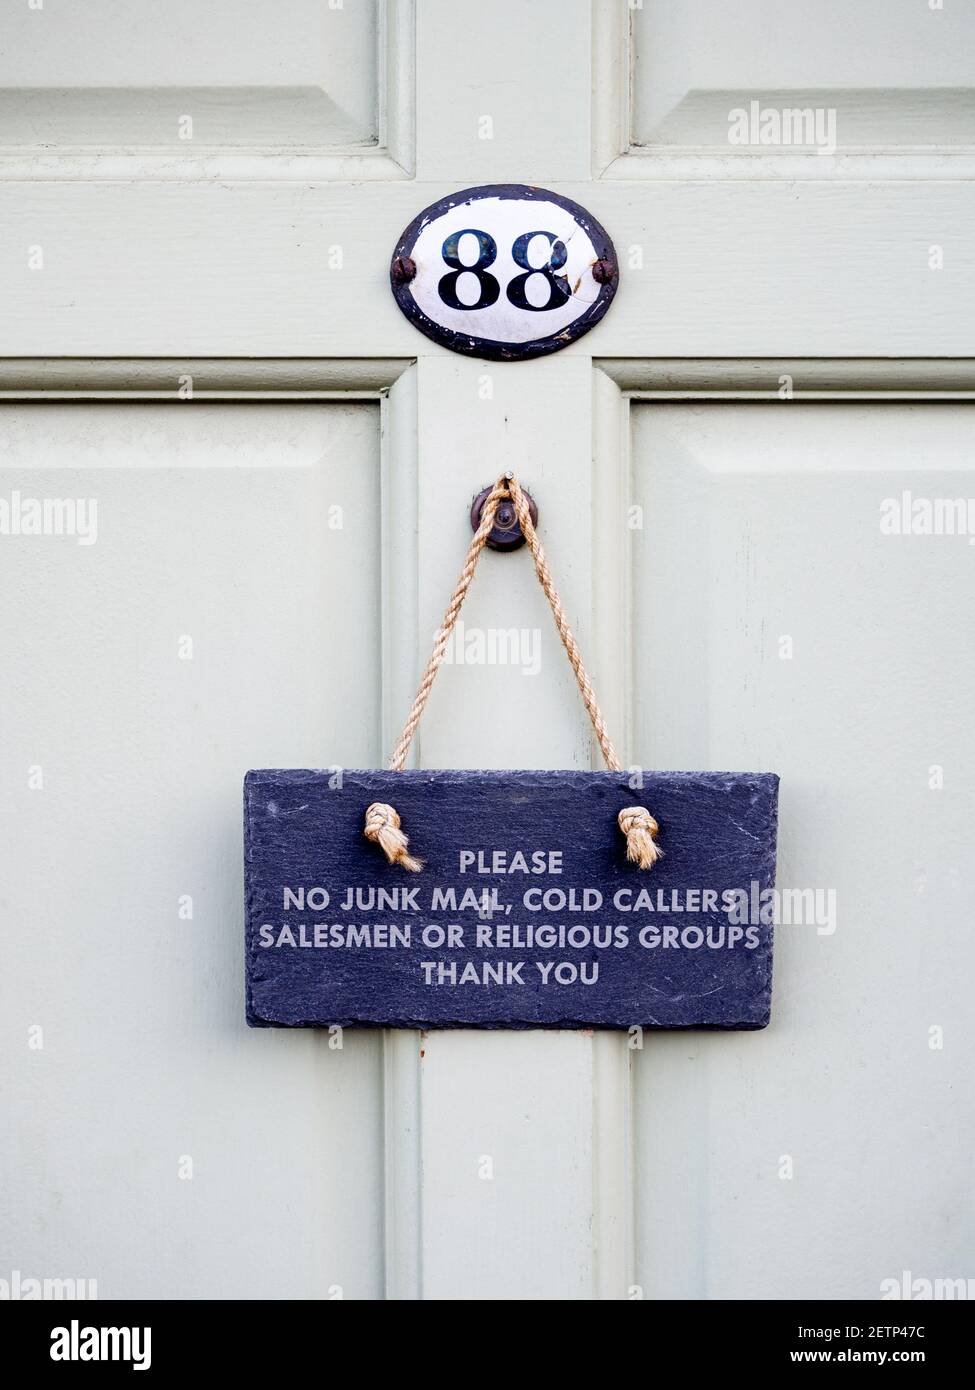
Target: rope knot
pixel 383 827
pixel 640 830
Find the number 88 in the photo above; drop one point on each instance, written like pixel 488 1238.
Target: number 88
pixel 490 288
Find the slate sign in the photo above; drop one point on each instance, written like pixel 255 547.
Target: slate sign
pixel 526 914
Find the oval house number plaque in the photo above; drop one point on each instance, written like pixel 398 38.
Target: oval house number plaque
pixel 505 271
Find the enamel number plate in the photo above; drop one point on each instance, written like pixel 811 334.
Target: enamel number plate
pixel 505 271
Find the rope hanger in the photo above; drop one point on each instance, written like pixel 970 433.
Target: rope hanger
pixel 382 821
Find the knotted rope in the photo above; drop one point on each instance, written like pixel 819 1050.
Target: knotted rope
pixel 383 826
pixel 382 820
pixel 639 827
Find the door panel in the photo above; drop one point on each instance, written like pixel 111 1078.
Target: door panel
pixel 225 616
pixel 807 270
pixel 895 73
pixel 130 74
pixel 777 627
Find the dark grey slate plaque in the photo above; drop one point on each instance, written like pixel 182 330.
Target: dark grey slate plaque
pixel 582 939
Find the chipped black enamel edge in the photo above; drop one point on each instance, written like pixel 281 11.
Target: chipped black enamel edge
pixel 488 347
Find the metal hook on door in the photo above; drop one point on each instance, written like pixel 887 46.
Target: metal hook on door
pixel 506 533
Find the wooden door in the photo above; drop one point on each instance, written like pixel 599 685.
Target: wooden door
pixel 197 210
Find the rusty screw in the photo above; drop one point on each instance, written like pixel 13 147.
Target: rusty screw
pixel 603 272
pixel 403 269
pixel 505 516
